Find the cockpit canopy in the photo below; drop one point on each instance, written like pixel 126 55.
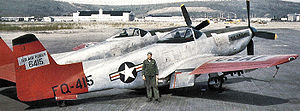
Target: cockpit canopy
pixel 180 35
pixel 131 32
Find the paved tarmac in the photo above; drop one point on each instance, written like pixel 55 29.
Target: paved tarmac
pixel 256 90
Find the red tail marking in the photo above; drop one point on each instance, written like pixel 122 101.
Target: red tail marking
pixel 46 81
pixel 7 67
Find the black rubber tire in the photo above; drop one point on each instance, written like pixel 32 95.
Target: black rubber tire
pixel 219 80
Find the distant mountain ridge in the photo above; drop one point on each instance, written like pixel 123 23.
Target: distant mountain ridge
pixel 130 2
pixel 140 2
pixel 259 8
pixel 39 8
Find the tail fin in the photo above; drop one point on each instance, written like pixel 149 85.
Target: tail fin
pixel 7 67
pixel 39 77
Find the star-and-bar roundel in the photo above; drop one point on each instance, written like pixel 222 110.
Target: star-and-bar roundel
pixel 127 72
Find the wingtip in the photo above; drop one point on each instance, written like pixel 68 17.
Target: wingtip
pixel 294 57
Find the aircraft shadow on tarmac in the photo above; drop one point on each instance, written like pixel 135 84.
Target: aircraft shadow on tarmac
pixel 193 92
pixel 5 83
pixel 11 93
pixel 230 95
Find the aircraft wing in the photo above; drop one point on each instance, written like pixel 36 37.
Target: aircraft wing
pixel 185 72
pixel 234 63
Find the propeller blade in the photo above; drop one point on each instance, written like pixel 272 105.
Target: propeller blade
pixel 186 16
pixel 202 25
pixel 250 48
pixel 248 12
pixel 266 35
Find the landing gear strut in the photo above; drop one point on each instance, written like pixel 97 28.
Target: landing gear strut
pixel 215 83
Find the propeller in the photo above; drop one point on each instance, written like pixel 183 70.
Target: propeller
pixel 186 15
pixel 202 25
pixel 266 35
pixel 188 20
pixel 260 34
pixel 248 12
pixel 250 48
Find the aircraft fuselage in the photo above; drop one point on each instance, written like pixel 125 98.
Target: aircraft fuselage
pixel 118 71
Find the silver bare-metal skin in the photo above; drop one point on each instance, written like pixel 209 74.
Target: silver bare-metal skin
pixel 105 58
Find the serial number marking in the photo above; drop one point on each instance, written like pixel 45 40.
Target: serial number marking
pixel 34 60
pixel 241 59
pixel 66 89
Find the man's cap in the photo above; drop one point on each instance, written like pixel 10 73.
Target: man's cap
pixel 149 53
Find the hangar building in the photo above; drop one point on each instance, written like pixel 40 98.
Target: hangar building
pixel 293 17
pixel 103 16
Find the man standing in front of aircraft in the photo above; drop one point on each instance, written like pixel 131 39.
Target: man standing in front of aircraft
pixel 150 75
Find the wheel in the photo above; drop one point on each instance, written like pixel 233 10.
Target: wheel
pixel 61 103
pixel 215 83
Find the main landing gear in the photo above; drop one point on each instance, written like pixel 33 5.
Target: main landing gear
pixel 216 81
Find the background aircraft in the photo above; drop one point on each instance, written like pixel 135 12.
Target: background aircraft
pixel 180 57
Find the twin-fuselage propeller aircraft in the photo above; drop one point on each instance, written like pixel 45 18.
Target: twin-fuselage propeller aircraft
pixel 182 54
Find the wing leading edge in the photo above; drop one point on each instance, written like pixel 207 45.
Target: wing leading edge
pixel 234 63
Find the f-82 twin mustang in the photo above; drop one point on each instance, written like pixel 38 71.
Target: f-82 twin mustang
pixel 38 76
